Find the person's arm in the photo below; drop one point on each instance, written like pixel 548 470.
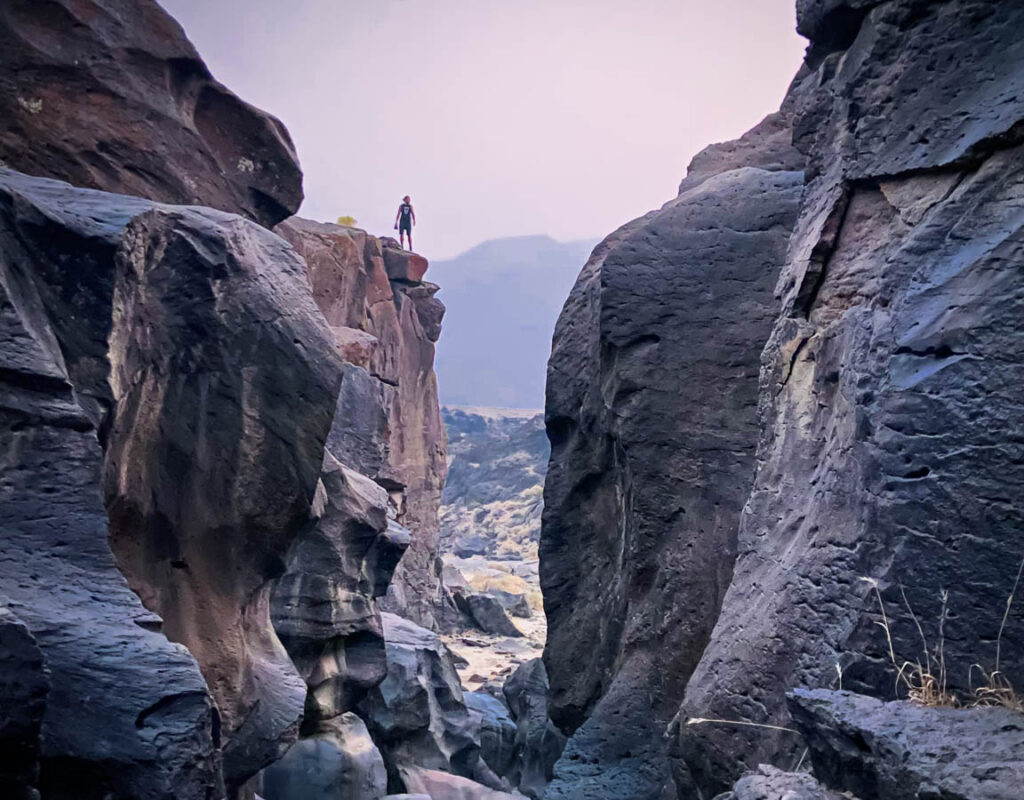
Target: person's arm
pixel 397 215
pixel 413 212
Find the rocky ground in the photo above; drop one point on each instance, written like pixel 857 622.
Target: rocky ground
pixel 490 524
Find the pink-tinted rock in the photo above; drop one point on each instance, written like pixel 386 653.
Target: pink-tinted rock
pixel 403 265
pixel 388 421
pixel 111 95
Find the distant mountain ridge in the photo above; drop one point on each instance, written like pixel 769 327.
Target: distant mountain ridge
pixel 503 297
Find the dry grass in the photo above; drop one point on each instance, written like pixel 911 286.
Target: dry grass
pixel 925 679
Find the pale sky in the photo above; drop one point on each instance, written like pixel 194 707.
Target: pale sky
pixel 499 117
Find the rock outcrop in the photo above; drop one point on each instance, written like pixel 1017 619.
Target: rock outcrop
pixel 151 361
pixel 538 742
pixel 901 751
pixel 652 392
pixel 889 443
pixel 388 425
pixel 769 783
pixel 111 95
pixel 888 467
pixel 417 714
pixel 339 761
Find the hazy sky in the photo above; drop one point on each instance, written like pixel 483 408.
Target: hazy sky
pixel 499 117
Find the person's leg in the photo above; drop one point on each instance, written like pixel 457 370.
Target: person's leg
pixel 410 238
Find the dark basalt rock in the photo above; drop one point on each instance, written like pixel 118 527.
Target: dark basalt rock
pixel 24 686
pixel 888 413
pixel 903 751
pixel 652 393
pixel 417 715
pixel 538 742
pixel 485 612
pixel 169 336
pixel 324 606
pixel 111 95
pixel 769 783
pixel 388 421
pixel 340 761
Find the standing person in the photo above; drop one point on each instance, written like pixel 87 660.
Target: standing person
pixel 404 220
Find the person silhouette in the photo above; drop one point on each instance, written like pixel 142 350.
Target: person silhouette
pixel 404 220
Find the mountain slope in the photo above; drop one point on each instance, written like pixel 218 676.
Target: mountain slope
pixel 503 298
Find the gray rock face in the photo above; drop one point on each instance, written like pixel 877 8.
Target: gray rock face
pixel 902 751
pixel 388 421
pixel 169 336
pixel 438 785
pixel 110 95
pixel 340 761
pixel 538 742
pixel 324 606
pixel 417 715
pixel 887 400
pixel 652 391
pixel 24 686
pixel 769 783
pixel 497 731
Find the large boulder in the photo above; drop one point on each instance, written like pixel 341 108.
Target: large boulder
pixel 340 761
pixel 417 715
pixel 445 786
pixel 388 422
pixel 497 731
pixel 485 612
pixel 903 751
pixel 111 95
pixel 888 387
pixel 186 343
pixel 652 394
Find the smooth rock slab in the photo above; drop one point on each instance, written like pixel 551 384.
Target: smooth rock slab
pixel 903 751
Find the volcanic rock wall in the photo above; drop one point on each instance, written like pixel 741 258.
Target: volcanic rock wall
pixel 109 94
pixel 888 450
pixel 652 391
pixel 386 321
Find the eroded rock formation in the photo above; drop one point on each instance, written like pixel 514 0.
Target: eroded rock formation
pixel 161 333
pixel 111 95
pixel 388 426
pixel 889 446
pixel 886 432
pixel 652 392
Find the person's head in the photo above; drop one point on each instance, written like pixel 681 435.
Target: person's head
pixel 406 199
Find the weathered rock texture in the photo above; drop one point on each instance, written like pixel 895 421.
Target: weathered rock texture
pixel 902 751
pixel 388 425
pixel 324 606
pixel 171 361
pixel 340 761
pixel 417 715
pixel 769 783
pixel 24 686
pixel 652 392
pixel 109 94
pixel 890 406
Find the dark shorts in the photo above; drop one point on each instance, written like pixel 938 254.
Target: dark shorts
pixel 405 226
